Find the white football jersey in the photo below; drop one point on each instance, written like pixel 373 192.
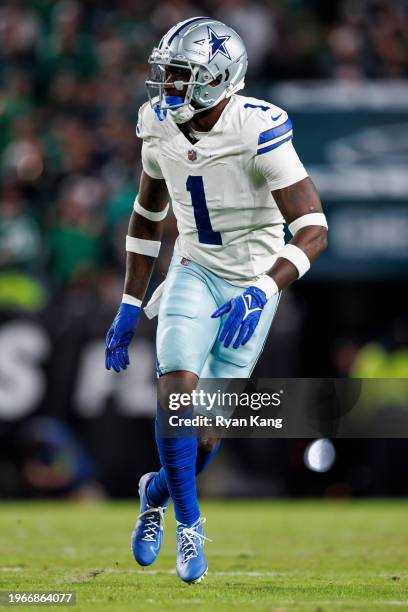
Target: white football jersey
pixel 220 187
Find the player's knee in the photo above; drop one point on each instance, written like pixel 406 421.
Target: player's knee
pixel 172 386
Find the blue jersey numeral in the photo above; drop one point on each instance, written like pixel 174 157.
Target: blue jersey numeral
pixel 206 234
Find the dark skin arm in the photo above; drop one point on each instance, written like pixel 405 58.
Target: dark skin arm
pixel 153 196
pixel 295 201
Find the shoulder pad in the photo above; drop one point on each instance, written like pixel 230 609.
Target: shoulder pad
pixel 264 125
pixel 148 125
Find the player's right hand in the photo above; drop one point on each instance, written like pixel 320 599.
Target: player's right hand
pixel 119 337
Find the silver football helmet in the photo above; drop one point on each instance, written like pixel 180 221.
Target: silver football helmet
pixel 201 59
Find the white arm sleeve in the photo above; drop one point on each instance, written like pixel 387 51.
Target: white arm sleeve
pixel 281 166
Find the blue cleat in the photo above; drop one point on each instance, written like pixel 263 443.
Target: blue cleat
pixel 148 533
pixel 191 563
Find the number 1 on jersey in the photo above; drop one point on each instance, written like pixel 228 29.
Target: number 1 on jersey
pixel 206 234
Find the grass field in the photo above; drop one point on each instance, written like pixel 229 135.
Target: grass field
pixel 279 556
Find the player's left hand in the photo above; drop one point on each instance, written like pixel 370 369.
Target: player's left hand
pixel 119 337
pixel 244 313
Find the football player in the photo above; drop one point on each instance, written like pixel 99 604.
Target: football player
pixel 228 164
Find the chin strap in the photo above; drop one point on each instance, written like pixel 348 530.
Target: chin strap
pixel 182 114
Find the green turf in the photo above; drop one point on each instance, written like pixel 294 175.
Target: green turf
pixel 266 555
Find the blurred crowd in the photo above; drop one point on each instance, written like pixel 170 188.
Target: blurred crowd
pixel 71 81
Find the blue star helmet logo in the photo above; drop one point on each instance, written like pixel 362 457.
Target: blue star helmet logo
pixel 216 44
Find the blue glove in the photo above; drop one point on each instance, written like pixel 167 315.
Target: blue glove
pixel 119 336
pixel 244 313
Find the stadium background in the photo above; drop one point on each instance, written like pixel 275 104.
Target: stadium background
pixel 71 81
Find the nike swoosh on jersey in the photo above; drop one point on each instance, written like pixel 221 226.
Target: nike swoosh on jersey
pixel 276 118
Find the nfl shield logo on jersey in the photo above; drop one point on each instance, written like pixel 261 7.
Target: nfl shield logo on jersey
pixel 192 155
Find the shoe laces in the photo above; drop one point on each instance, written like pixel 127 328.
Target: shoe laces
pixel 191 539
pixel 154 521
